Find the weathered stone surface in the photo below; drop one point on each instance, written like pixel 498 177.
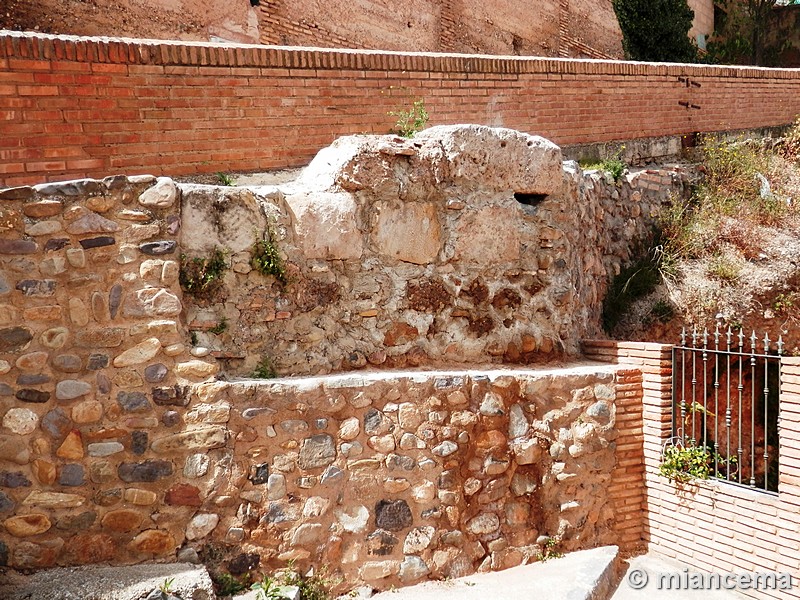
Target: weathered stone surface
pixel 53 500
pixel 155 373
pixel 20 421
pixel 151 302
pixel 484 524
pixel 393 515
pixel 205 438
pixel 374 570
pixel 139 442
pixel 27 525
pixel 77 522
pixel 138 354
pixel 139 497
pixel 69 389
pixel 14 338
pixel 133 402
pixel 18 246
pixel 161 195
pixel 12 450
pixel 108 337
pixel 33 396
pixel 100 449
pixel 154 542
pixel 13 479
pixel 90 222
pixel 408 232
pixel 32 379
pixel 122 520
pixel 171 396
pixel 307 533
pixel 68 363
pixel 71 475
pixel 183 494
pixel 72 446
pixel 325 225
pixel 197 465
pixel 149 470
pixel 195 369
pixel 517 422
pixel 6 503
pixel 412 568
pixel 353 519
pixel 201 525
pixel 317 451
pixel 446 448
pixel 56 423
pixel 89 548
pixel 55 337
pixel 158 248
pixel 418 539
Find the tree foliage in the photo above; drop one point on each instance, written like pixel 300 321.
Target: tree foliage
pixel 656 30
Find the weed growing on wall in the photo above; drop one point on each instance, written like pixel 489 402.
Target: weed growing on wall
pixel 613 165
pixel 412 121
pixel 225 179
pixel 635 281
pixel 266 258
pixel 202 276
pixel 265 369
pixel 549 550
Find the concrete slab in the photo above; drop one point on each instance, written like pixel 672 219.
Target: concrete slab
pixel 108 583
pixel 647 577
pixel 584 575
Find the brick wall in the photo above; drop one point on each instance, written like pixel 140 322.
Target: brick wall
pixel 716 527
pixel 90 107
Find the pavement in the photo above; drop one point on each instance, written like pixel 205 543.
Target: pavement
pixel 647 578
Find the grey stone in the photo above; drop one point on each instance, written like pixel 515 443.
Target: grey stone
pixel 147 471
pixel 97 362
pixel 171 396
pixel 492 405
pixel 276 486
pixel 393 515
pixel 170 418
pixel 100 449
pixel 332 476
pixel 155 373
pixel 412 568
pixel 397 461
pixel 91 222
pixel 251 413
pixel 13 479
pixel 381 543
pixel 78 522
pixel 599 411
pixel 14 338
pixel 372 420
pixel 196 465
pixel 103 383
pixel 133 401
pixel 72 475
pixel 56 423
pixel 55 244
pixel 6 390
pixel 139 440
pixel 23 192
pixel 317 451
pixel 294 426
pixel 517 422
pixel 97 242
pixel 6 503
pixel 260 474
pixel 446 448
pixel 18 247
pixel 114 300
pixel 3 554
pixel 37 287
pixel 76 187
pixel 68 363
pixel 33 379
pixel 69 389
pixel 5 287
pixel 158 248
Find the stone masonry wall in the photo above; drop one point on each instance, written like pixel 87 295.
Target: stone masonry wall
pixel 406 253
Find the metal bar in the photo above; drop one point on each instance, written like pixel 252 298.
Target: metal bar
pixel 683 387
pixel 674 425
pixel 753 412
pixel 716 401
pixel 704 411
pixel 728 411
pixel 740 389
pixel 766 411
pixel 694 384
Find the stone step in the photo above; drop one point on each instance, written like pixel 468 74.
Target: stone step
pixel 583 575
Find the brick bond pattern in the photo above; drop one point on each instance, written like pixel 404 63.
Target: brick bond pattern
pixel 91 107
pixel 713 526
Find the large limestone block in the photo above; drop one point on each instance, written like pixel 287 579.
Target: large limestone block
pixel 497 158
pixel 408 232
pixel 218 217
pixel 325 225
pixel 489 235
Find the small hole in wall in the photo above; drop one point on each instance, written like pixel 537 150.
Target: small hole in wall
pixel 502 144
pixel 529 199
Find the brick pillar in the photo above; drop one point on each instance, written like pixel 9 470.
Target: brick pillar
pixel 644 395
pixel 789 431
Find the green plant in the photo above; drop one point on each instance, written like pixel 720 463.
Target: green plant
pixel 166 586
pixel 656 30
pixel 224 179
pixel 663 311
pixel 411 121
pixel 550 550
pixel 267 589
pixel 202 276
pixel 784 303
pixel 722 267
pixel 613 165
pixel 266 258
pixel 685 463
pixel 228 585
pixel 314 586
pixel 265 369
pixel 633 282
pixel 220 327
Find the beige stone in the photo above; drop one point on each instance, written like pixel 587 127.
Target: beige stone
pixel 325 225
pixel 45 472
pixel 140 497
pixel 153 542
pixel 138 354
pixel 72 446
pixel 78 312
pixel 161 195
pixel 27 525
pixel 128 379
pixel 53 500
pixel 408 232
pixel 33 361
pixel 21 421
pixel 151 302
pixel 200 438
pixel 195 369
pixel 489 235
pixel 55 337
pixel 88 411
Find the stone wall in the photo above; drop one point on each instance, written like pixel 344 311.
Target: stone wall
pixel 463 245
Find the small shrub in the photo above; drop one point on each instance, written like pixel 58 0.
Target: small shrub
pixel 202 277
pixel 228 585
pixel 225 179
pixel 549 550
pixel 312 587
pixel 785 303
pixel 613 165
pixel 723 268
pixel 684 463
pixel 267 589
pixel 633 282
pixel 265 369
pixel 266 258
pixel 410 122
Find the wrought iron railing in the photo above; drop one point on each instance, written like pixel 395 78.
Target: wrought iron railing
pixel 725 399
